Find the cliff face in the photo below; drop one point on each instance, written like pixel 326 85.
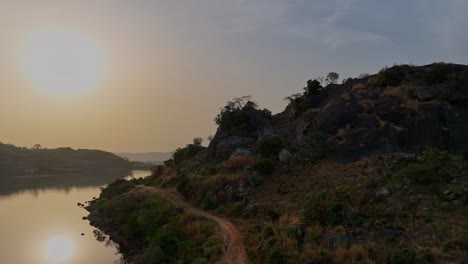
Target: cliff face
pixel 402 108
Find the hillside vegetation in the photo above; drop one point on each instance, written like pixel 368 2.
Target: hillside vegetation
pixel 373 170
pixel 16 161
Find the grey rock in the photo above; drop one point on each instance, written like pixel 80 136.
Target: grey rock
pixel 332 239
pixel 457 203
pixel 241 152
pixel 383 192
pixel 285 156
pixel 451 197
pixel 250 208
pixel 395 234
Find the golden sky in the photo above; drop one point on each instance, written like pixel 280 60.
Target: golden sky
pixel 168 66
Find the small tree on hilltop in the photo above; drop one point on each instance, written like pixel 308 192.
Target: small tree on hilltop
pixel 197 141
pixel 313 87
pixel 36 146
pixel 332 77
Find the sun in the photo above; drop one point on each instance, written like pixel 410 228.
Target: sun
pixel 62 62
pixel 58 249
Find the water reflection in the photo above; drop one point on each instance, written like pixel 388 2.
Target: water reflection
pixel 63 182
pixel 41 222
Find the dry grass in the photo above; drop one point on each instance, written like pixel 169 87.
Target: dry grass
pixel 237 163
pixel 358 86
pixel 352 254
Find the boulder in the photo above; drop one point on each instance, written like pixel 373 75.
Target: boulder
pixel 285 156
pixel 241 152
pixel 383 192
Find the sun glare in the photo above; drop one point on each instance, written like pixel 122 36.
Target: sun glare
pixel 58 249
pixel 62 62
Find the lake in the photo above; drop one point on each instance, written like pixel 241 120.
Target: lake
pixel 41 223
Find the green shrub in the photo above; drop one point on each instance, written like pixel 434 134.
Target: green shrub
pixel 465 154
pixel 101 203
pixel 405 257
pixel 155 225
pixel 235 114
pixel 264 166
pixel 270 147
pixel 299 105
pixel 439 73
pixel 208 170
pixel 210 202
pixel 344 193
pixel 183 186
pixel 418 173
pixel 391 76
pixel 255 179
pixel 318 208
pixel 275 256
pixel 319 141
pixel 117 187
pixel 462 83
pixel 182 154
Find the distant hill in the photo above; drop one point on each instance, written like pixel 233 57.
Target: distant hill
pixel 151 157
pixel 17 161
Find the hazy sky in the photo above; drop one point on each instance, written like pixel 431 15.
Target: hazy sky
pixel 170 65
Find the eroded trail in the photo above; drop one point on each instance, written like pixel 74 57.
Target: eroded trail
pixel 236 252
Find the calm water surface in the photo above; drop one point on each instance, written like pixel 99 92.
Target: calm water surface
pixel 42 224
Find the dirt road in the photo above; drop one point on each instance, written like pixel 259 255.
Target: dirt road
pixel 236 252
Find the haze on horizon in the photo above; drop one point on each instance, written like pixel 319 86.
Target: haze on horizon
pixel 147 76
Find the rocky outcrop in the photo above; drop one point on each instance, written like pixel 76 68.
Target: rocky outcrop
pixel 227 140
pixel 285 156
pixel 363 117
pixel 241 152
pixel 368 116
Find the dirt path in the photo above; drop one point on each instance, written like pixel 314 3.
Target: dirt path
pixel 236 252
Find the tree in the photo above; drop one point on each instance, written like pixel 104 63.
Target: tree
pixel 235 114
pixel 313 87
pixel 332 77
pixel 36 146
pixel 197 141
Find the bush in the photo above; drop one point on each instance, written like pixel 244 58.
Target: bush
pixel 318 208
pixel 270 147
pixel 462 83
pixel 465 154
pixel 101 203
pixel 313 88
pixel 208 170
pixel 117 187
pixel 404 257
pixel 234 114
pixel 439 73
pixel 264 166
pixel 319 141
pixel 255 179
pixel 182 154
pixel 156 226
pixel 418 174
pixel 183 186
pixel 210 202
pixel 393 76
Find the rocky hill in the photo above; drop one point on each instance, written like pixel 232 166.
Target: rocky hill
pixel 372 170
pixel 401 109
